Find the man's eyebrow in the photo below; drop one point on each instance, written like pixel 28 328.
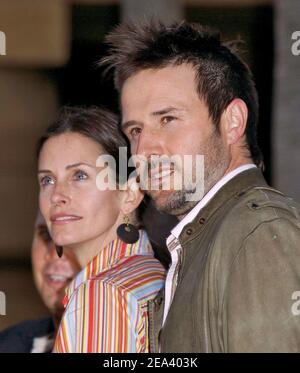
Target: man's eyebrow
pixel 67 167
pixel 167 110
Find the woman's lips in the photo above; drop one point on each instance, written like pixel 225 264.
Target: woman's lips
pixel 64 219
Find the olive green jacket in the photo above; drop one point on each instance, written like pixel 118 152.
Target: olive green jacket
pixel 239 275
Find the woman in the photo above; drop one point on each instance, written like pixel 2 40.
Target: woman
pixel 106 303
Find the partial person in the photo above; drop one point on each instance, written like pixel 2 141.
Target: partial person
pixel 235 269
pixel 106 305
pixel 51 276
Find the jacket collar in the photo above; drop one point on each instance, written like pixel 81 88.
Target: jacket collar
pixel 235 188
pixel 205 200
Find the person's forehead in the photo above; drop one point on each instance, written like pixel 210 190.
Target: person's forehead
pixel 69 148
pixel 159 88
pixel 159 77
pixel 71 140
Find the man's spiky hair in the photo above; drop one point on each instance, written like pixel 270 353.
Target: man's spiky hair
pixel 138 46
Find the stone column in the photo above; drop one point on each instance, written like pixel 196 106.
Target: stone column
pixel 286 103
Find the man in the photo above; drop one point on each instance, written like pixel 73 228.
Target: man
pixel 236 250
pixel 51 275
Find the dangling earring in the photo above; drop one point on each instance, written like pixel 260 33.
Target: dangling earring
pixel 59 250
pixel 128 232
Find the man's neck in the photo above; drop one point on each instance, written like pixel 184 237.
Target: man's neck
pixel 187 218
pixel 234 165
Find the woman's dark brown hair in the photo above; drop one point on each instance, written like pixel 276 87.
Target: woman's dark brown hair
pixel 93 122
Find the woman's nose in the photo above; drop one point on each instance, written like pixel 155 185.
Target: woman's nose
pixel 60 195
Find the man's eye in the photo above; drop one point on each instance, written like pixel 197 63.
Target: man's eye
pixel 80 175
pixel 46 180
pixel 134 131
pixel 167 119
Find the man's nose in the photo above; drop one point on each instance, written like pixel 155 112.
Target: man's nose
pixel 148 143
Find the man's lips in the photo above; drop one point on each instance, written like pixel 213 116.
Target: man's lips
pixel 160 171
pixel 64 218
pixel 57 280
pixel 156 175
pixel 160 176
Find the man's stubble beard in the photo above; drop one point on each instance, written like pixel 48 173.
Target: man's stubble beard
pixel 216 162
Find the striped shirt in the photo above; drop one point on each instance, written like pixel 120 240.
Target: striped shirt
pixel 107 302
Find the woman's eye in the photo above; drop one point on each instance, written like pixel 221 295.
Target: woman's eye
pixel 80 175
pixel 167 119
pixel 46 180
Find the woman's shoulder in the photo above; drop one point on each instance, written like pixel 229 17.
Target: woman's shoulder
pixel 135 266
pixel 137 279
pixel 135 274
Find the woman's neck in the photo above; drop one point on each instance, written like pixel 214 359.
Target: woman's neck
pixel 87 250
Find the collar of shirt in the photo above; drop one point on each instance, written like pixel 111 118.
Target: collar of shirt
pixel 43 344
pixel 176 231
pixel 107 258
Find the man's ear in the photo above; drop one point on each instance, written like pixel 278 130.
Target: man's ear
pixel 132 197
pixel 235 120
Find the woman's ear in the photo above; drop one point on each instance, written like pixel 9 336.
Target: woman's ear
pixel 132 197
pixel 236 115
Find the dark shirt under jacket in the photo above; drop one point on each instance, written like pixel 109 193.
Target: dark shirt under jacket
pixel 19 338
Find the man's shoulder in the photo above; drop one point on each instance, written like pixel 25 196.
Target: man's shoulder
pixel 259 207
pixel 18 338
